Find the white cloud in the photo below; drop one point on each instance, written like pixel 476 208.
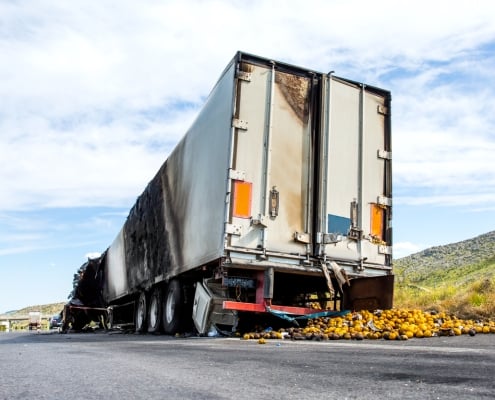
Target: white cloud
pixel 444 134
pixel 403 249
pixel 47 230
pixel 28 247
pixel 92 255
pixel 95 95
pixel 85 163
pixel 475 201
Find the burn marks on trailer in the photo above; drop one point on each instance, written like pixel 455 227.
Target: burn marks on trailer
pixel 290 169
pixel 295 89
pixel 152 232
pixel 296 92
pixel 175 204
pixel 143 235
pixel 88 283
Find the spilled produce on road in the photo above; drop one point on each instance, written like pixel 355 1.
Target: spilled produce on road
pixel 395 324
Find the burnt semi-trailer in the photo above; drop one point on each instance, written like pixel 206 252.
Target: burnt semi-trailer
pixel 280 192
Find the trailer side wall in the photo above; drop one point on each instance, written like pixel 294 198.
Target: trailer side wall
pixel 177 223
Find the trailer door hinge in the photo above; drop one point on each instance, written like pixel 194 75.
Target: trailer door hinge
pixel 328 238
pixel 261 221
pixel 384 201
pixel 237 175
pixel 232 229
pixel 386 155
pixel 239 124
pixel 244 76
pixel 302 237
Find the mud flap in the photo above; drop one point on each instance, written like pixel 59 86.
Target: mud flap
pixel 370 293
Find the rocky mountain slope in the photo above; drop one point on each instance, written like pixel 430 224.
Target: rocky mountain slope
pixel 46 310
pixel 458 278
pixel 468 256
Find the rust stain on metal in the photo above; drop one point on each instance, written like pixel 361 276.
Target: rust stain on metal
pixel 245 67
pixel 290 150
pixel 295 90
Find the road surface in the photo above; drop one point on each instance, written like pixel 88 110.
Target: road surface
pixel 102 365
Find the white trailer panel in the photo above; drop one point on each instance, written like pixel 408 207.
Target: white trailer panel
pixel 274 154
pixel 356 200
pixel 116 270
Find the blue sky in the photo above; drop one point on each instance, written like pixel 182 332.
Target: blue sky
pixel 94 96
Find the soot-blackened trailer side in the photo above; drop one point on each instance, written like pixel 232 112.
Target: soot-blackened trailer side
pixel 178 223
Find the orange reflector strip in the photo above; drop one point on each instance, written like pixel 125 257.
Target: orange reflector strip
pixel 376 228
pixel 242 199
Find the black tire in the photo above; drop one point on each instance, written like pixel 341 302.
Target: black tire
pixel 155 311
pixel 140 317
pixel 172 308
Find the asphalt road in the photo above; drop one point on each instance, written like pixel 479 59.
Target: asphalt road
pixel 128 366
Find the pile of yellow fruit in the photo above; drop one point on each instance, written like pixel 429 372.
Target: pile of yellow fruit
pixel 381 324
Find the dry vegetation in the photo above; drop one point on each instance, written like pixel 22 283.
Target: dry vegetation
pixel 458 279
pixel 475 300
pixel 47 310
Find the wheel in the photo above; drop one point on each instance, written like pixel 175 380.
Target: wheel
pixel 155 311
pixel 172 308
pixel 140 317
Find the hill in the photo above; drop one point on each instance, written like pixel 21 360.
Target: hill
pixel 458 278
pixel 46 310
pixel 439 258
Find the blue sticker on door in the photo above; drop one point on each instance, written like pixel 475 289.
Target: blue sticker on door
pixel 339 225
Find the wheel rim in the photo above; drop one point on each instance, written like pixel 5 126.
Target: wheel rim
pixel 153 312
pixel 141 312
pixel 170 308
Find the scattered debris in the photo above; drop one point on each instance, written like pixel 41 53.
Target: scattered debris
pixel 382 324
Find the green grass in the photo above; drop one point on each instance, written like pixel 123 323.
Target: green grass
pixel 465 291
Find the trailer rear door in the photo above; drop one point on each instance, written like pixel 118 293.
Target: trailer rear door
pixel 272 157
pixel 356 176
